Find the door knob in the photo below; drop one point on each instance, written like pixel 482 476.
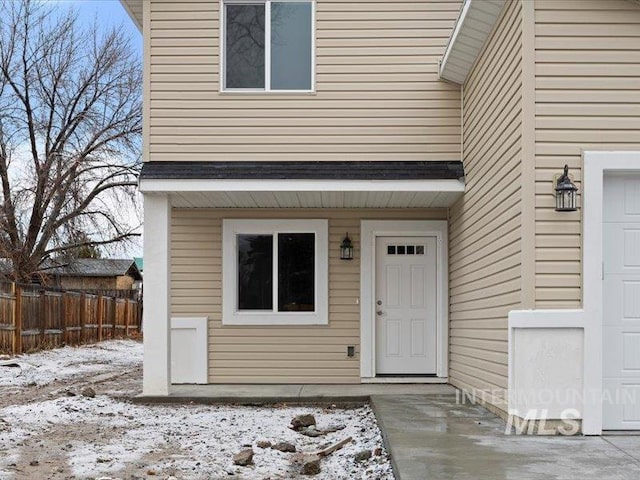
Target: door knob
pixel 379 312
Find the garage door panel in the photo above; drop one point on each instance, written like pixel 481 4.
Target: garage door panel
pixel 622 241
pixel 621 401
pixel 622 354
pixel 622 198
pixel 622 296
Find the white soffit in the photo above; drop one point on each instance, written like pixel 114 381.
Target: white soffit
pixel 326 199
pixel 473 27
pixel 307 194
pixel 134 9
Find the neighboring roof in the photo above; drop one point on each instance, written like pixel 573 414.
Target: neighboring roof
pixel 328 170
pixel 473 27
pixel 134 9
pixel 139 263
pixel 93 267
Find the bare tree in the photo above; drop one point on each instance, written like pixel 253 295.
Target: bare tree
pixel 70 129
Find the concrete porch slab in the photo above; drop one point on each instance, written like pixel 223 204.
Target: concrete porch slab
pixel 256 394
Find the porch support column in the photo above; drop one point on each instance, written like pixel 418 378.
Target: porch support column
pixel 156 379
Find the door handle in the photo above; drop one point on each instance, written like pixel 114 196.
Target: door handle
pixel 379 312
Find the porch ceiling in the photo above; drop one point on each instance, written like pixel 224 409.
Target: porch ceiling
pixel 316 199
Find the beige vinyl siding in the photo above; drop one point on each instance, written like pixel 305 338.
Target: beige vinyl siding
pixel 377 97
pixel 273 354
pixel 587 98
pixel 485 225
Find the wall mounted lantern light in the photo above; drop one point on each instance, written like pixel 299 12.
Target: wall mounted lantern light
pixel 346 248
pixel 566 193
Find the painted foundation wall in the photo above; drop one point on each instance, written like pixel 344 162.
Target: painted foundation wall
pixel 378 96
pixel 485 225
pixel 273 354
pixel 587 97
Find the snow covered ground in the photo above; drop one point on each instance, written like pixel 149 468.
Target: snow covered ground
pixel 54 432
pixel 45 367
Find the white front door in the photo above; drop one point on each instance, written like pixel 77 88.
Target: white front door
pixel 621 302
pixel 405 305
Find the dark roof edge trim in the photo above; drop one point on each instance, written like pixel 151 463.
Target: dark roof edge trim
pixel 296 170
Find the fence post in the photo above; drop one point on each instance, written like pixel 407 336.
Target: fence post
pixel 114 317
pixel 63 313
pixel 17 319
pixel 43 316
pixel 99 311
pixel 83 318
pixel 126 318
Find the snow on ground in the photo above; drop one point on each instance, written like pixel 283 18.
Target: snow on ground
pixel 45 367
pixel 104 437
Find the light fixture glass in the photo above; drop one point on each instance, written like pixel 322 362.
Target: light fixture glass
pixel 566 193
pixel 346 248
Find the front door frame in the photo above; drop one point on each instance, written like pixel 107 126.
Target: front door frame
pixel 369 231
pixel 596 165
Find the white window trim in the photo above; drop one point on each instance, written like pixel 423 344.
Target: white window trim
pixel 267 50
pixel 231 229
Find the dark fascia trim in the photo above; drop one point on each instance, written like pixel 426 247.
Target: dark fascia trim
pixel 329 170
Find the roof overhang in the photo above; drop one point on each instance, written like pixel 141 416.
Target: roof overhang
pixel 134 9
pixel 473 27
pixel 306 184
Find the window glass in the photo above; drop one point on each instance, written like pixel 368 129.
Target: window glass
pixel 245 38
pixel 291 46
pixel 255 272
pixel 296 272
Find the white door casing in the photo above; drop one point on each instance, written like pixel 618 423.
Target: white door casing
pixel 621 302
pixel 405 300
pixel 596 165
pixel 369 232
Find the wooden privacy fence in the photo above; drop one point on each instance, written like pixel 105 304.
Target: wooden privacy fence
pixel 35 318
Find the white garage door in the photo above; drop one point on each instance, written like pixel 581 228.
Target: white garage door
pixel 621 302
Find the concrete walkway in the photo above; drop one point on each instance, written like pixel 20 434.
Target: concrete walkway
pixel 431 437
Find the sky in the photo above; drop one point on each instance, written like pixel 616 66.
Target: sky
pixel 109 14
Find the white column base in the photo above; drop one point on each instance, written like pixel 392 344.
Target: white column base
pixel 546 364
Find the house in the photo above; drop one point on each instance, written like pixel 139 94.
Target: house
pixel 94 274
pixel 430 133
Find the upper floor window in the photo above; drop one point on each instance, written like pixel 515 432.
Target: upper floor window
pixel 268 45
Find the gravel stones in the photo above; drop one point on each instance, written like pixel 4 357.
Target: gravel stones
pixel 244 458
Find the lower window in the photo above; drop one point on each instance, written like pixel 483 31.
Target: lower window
pixel 275 272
